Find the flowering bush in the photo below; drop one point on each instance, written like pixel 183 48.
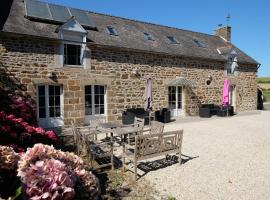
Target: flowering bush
pixel 47 173
pixel 18 124
pixel 8 166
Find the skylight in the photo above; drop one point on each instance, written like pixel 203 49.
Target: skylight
pixel 172 39
pixel 112 30
pixel 199 44
pixel 148 36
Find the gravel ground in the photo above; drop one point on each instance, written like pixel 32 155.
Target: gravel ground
pixel 233 160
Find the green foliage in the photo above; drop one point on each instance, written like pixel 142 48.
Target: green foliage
pixel 17 194
pixel 266 95
pixel 263 80
pixel 171 198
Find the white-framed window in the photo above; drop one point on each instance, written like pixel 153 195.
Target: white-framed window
pixel 95 97
pixel 231 65
pixel 73 54
pixel 49 105
pixel 73 46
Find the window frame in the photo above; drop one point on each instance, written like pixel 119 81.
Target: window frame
pixel 112 31
pixel 93 103
pixel 46 94
pixel 82 54
pixel 229 65
pixel 199 43
pixel 172 39
pixel 148 36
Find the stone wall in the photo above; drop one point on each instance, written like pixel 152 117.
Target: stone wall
pixel 31 61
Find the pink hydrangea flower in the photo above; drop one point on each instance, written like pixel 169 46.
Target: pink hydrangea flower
pixel 48 173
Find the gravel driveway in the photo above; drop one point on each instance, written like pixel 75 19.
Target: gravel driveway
pixel 233 160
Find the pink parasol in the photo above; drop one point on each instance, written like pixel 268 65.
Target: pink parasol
pixel 225 97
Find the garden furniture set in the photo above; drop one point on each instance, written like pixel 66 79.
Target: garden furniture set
pixel 97 142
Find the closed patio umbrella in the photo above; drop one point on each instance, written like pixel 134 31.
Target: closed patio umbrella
pixel 148 99
pixel 225 96
pixel 148 94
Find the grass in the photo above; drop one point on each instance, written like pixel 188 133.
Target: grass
pixel 266 95
pixel 171 198
pixel 263 80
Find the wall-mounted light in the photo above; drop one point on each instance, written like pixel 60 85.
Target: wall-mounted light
pixel 52 76
pixel 209 80
pixel 136 72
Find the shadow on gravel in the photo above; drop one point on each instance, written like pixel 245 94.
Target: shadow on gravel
pixel 162 163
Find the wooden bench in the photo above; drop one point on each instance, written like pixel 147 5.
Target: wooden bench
pixel 150 146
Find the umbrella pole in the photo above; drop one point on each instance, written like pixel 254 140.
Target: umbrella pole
pixel 149 117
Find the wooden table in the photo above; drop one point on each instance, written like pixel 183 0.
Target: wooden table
pixel 120 130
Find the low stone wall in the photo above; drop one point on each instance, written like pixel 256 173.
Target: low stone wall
pixel 31 60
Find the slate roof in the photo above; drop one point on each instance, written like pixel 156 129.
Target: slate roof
pixel 130 34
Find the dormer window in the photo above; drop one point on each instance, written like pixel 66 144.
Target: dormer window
pixel 199 43
pixel 73 37
pixel 112 31
pixel 148 36
pixel 232 63
pixel 172 40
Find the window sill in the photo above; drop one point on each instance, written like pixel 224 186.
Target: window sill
pixel 74 66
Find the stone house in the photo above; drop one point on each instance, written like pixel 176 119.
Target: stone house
pixel 79 65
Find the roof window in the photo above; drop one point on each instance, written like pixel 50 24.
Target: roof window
pixel 172 39
pixel 112 31
pixel 148 36
pixel 199 44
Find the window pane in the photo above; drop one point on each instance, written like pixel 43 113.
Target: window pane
pixel 96 89
pixel 57 111
pixel 101 109
pixel 41 101
pixel 88 111
pixel 96 99
pixel 88 89
pixel 51 112
pixel 172 105
pixel 72 54
pixel 101 100
pixel 57 90
pixel 102 90
pixel 51 90
pixel 42 112
pixel 51 101
pixel 97 107
pixel 41 90
pixel 88 100
pixel 57 100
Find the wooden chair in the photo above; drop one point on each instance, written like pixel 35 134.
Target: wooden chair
pixel 150 146
pixel 138 122
pixel 95 125
pixel 94 149
pixel 156 127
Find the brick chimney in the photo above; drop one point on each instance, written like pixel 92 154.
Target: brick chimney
pixel 224 32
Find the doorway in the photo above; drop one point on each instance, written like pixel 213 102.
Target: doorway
pixel 175 100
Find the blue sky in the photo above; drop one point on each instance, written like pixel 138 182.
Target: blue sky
pixel 250 19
